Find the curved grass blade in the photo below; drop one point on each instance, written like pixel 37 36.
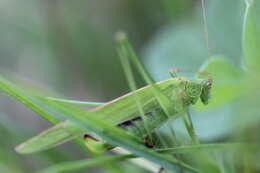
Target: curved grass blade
pixel 31 102
pixel 88 121
pixel 124 108
pixel 113 112
pixel 124 57
pixel 127 53
pixel 162 99
pixel 36 104
pixel 251 42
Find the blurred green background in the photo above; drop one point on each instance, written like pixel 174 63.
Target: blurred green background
pixel 68 46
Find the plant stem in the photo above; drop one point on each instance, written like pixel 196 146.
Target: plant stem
pixel 190 128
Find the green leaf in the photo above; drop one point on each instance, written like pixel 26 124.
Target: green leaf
pixel 252 35
pixel 228 81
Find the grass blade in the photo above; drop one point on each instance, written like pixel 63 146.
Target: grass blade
pixel 116 136
pixel 124 108
pixel 30 101
pixel 163 100
pixel 124 57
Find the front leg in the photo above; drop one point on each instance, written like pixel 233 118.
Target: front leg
pixel 96 145
pixel 148 142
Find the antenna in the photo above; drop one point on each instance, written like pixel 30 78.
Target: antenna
pixel 206 32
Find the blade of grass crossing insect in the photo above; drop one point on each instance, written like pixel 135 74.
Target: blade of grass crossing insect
pixel 116 136
pixel 32 102
pixel 124 57
pixel 161 98
pixel 61 108
pixel 164 102
pixel 76 165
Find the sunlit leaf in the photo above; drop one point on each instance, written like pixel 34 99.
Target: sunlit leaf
pixel 252 36
pixel 228 81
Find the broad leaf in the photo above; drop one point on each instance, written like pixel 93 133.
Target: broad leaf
pixel 252 36
pixel 228 81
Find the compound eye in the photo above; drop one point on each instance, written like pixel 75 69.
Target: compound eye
pixel 209 84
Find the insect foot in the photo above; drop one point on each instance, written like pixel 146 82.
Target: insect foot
pixel 148 142
pixel 95 145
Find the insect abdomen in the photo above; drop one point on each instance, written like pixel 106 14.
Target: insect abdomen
pixel 137 126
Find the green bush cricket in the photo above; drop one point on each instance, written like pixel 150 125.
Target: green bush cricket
pixel 157 103
pixel 190 91
pixel 123 112
pixel 139 119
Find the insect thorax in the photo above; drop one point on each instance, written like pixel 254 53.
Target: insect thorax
pixel 199 88
pixel 193 90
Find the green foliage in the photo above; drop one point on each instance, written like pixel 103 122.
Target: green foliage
pixel 88 122
pixel 252 36
pixel 227 80
pixel 180 44
pixel 113 135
